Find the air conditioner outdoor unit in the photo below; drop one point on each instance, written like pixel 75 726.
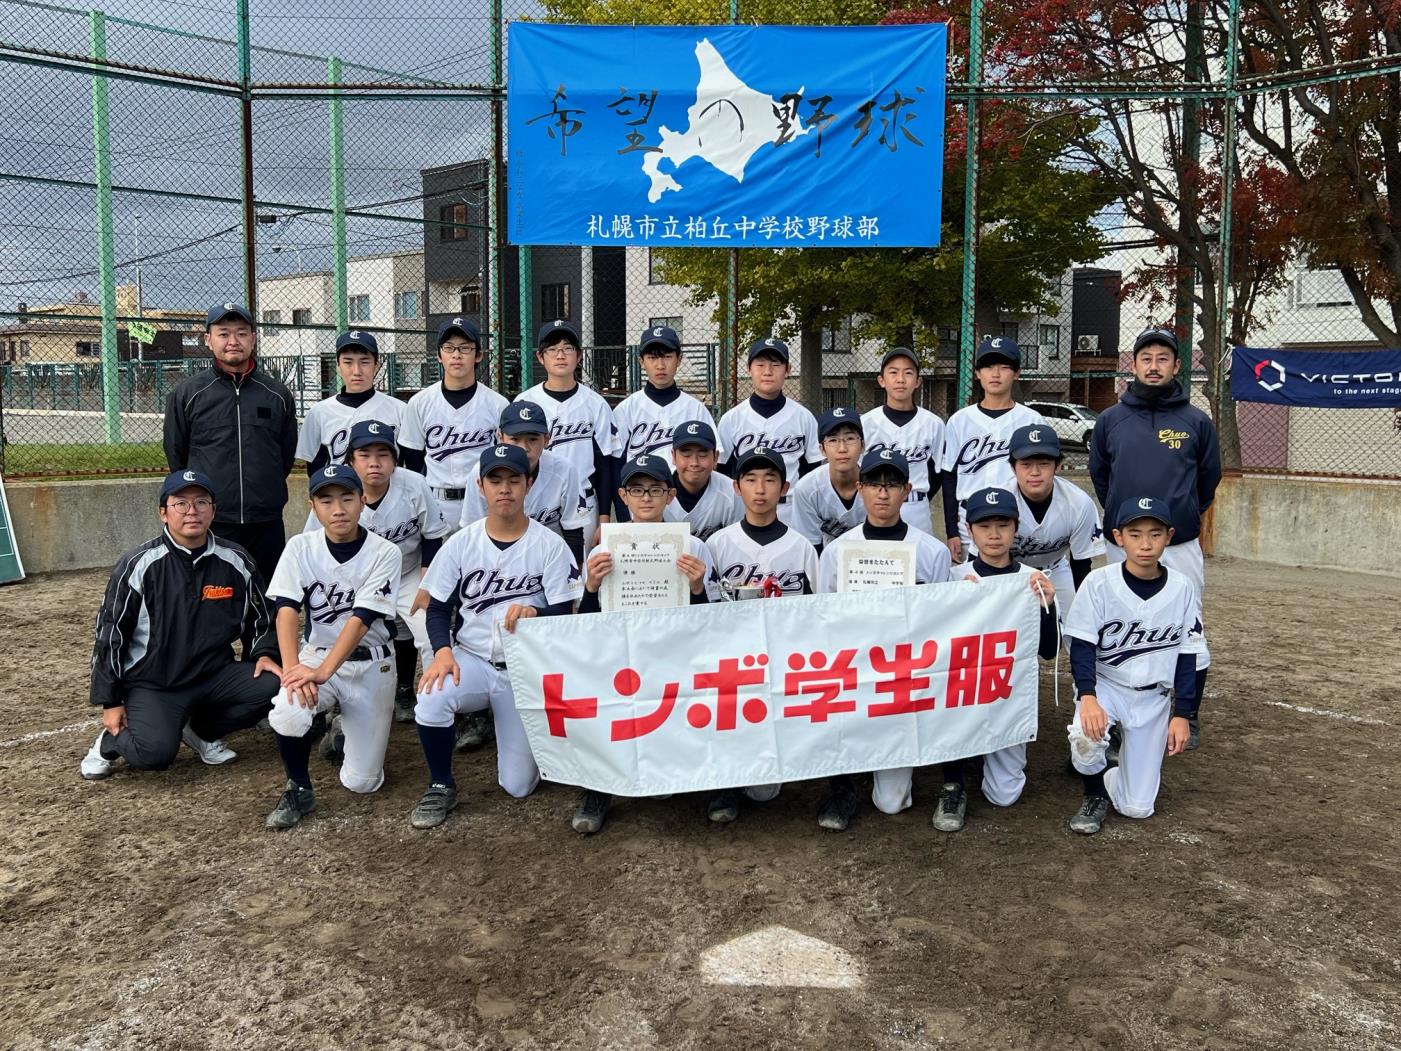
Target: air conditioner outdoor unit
pixel 1086 344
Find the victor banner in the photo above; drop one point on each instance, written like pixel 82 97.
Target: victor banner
pixel 1333 379
pixel 649 702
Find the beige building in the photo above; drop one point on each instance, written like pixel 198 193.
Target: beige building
pixel 69 332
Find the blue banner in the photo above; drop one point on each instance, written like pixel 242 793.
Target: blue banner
pixel 726 136
pixel 1336 379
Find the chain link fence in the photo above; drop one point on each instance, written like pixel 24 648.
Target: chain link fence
pixel 341 166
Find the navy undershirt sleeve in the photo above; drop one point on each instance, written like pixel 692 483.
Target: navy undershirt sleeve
pixel 439 619
pixel 1082 666
pixel 1184 683
pixel 428 549
pixel 1050 635
pixel 1079 570
pixel 948 481
pixel 413 459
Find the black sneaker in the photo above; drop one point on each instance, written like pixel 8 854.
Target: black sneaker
pixel 593 808
pixel 477 729
pixel 838 808
pixel 1194 739
pixel 724 806
pixel 404 701
pixel 952 808
pixel 1089 819
pixel 296 803
pixel 434 807
pixel 332 746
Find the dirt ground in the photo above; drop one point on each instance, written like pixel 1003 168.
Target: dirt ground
pixel 1258 908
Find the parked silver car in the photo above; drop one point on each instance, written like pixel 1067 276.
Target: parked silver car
pixel 1072 423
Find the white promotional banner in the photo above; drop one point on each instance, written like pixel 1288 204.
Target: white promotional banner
pixel 649 702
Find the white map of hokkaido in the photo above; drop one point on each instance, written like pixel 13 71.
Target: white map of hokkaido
pixel 729 122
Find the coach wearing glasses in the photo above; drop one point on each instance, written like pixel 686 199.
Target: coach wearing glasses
pixel 163 668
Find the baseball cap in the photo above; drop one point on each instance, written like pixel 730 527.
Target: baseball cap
pixel 761 456
pixel 1035 439
pixel 993 349
pixel 524 417
pixel 358 340
pixel 885 460
pixel 659 336
pixel 334 474
pixel 461 326
pixel 372 432
pixel 653 467
pixel 177 480
pixel 990 503
pixel 693 432
pixel 841 416
pixel 1143 507
pixel 220 311
pixel 898 352
pixel 1162 336
pixel 775 348
pixel 552 331
pixel 504 457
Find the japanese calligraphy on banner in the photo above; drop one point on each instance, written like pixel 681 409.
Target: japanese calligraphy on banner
pixel 1358 379
pixel 744 693
pixel 722 136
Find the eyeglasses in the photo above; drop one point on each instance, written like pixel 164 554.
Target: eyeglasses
pixel 652 492
pixel 199 503
pixel 560 349
pixel 458 352
pixel 885 487
pixel 842 441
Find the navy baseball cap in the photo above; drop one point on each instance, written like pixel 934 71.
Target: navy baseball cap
pixel 461 326
pixel 524 417
pixel 355 339
pixel 653 467
pixel 877 460
pixel 990 503
pixel 659 336
pixel 693 432
pixel 1035 439
pixel 220 311
pixel 898 352
pixel 372 432
pixel 1143 507
pixel 841 416
pixel 504 457
pixel 1157 336
pixel 554 331
pixel 177 480
pixel 334 474
pixel 994 350
pixel 761 456
pixel 774 348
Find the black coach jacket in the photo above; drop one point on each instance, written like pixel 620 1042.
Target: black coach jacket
pixel 170 617
pixel 241 431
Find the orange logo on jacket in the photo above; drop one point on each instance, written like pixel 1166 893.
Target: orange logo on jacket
pixel 212 591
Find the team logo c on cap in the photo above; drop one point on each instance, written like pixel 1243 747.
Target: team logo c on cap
pixel 839 413
pixel 329 470
pixel 373 428
pixel 228 306
pixel 991 498
pixel 524 414
pixel 457 321
pixel 656 332
pixel 885 454
pixel 354 333
pixel 558 324
pixel 500 452
pixel 691 428
pixel 1146 504
pixel 1033 436
pixel 189 476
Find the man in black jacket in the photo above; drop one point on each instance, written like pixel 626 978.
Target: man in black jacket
pixel 237 424
pixel 1156 443
pixel 163 657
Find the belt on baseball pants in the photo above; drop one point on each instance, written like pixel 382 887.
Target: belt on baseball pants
pixel 449 494
pixel 916 497
pixel 499 665
pixel 362 653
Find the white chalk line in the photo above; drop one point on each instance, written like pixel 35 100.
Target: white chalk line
pixel 39 735
pixel 1327 714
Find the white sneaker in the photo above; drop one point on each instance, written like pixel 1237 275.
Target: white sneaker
pixel 211 753
pixel 96 766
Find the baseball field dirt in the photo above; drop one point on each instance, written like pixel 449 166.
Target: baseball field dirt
pixel 1259 908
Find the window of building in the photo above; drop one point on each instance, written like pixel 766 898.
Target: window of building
pixel 471 299
pixel 1010 329
pixel 554 302
pixel 272 317
pixel 673 323
pixel 653 274
pixel 86 348
pixel 1050 341
pixel 406 305
pixel 24 348
pixel 452 213
pixel 358 308
pixel 301 316
pixel 837 339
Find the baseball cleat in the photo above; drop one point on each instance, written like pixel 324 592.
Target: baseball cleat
pixel 96 766
pixel 296 803
pixel 477 730
pixel 593 808
pixel 1089 819
pixel 211 753
pixel 404 701
pixel 433 808
pixel 952 808
pixel 723 807
pixel 1194 739
pixel 332 747
pixel 838 808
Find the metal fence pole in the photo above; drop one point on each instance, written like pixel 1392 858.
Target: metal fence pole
pixel 967 338
pixel 250 218
pixel 495 345
pixel 106 264
pixel 724 390
pixel 1228 169
pixel 333 76
pixel 1187 219
pixel 526 314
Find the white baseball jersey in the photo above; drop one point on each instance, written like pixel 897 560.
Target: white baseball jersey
pixel 717 507
pixel 741 562
pixel 328 590
pixel 452 440
pixel 578 424
pixel 1137 642
pixel 791 433
pixel 1069 527
pixel 646 427
pixel 818 512
pixel 696 549
pixel 921 442
pixel 406 515
pixel 485 581
pixel 932 558
pixel 556 499
pixel 975 445
pixel 327 424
